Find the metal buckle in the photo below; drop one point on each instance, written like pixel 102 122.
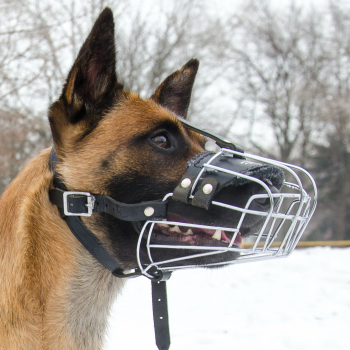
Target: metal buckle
pixel 90 203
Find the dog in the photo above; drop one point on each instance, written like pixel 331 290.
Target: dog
pixel 109 141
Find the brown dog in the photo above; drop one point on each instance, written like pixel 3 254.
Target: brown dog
pixel 53 293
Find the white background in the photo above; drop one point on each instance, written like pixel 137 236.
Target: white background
pixel 301 302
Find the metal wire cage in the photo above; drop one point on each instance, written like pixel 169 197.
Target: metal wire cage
pixel 284 223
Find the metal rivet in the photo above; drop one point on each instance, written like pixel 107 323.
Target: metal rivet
pixel 149 211
pixel 207 189
pixel 186 183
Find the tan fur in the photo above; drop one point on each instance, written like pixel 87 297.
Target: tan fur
pixel 132 117
pixel 43 270
pixel 53 295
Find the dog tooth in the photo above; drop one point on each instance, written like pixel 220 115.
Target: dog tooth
pixel 163 225
pixel 217 235
pixel 189 232
pixel 175 229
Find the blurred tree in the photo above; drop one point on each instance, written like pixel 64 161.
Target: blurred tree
pixel 291 76
pixel 275 63
pixel 332 169
pixel 332 152
pixel 20 136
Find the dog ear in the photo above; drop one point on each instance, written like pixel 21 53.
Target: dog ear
pixel 92 82
pixel 175 91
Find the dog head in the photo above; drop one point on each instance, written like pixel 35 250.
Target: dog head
pixel 112 142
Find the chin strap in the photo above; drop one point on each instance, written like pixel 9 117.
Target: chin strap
pixel 72 205
pixel 160 314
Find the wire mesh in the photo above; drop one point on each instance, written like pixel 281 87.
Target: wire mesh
pixel 286 220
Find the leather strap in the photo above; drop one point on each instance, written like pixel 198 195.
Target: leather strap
pixel 203 199
pixel 160 315
pixel 220 141
pixel 77 204
pixel 92 244
pixel 77 227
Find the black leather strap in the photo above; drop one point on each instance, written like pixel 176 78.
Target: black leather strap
pixel 201 198
pixel 92 243
pixel 77 227
pixel 220 141
pixel 77 203
pixel 160 314
pixel 131 212
pixel 182 192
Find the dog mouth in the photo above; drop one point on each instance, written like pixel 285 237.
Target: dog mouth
pixel 194 235
pixel 177 230
pixel 177 241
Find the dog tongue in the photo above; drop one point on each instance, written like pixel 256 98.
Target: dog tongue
pixel 238 240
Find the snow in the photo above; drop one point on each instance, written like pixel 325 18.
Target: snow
pixel 301 302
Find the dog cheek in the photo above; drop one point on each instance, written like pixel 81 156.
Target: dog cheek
pixel 135 188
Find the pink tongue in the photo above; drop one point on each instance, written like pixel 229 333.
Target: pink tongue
pixel 237 242
pixel 238 239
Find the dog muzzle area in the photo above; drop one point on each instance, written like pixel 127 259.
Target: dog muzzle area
pixel 228 208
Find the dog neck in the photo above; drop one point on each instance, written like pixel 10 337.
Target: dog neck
pixel 53 294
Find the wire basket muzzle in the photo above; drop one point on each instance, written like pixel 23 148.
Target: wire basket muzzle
pixel 229 209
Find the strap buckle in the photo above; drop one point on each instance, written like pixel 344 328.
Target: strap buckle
pixel 90 199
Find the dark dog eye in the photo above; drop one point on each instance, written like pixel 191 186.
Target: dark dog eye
pixel 161 141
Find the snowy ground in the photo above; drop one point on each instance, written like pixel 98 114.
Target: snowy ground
pixel 301 302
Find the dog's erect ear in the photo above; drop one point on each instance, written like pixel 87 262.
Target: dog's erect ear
pixel 92 82
pixel 175 91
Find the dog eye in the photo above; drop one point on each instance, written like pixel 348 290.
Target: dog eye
pixel 161 141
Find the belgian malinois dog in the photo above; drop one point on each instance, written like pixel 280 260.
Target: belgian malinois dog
pixel 109 141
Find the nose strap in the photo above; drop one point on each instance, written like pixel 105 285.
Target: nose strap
pixel 213 180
